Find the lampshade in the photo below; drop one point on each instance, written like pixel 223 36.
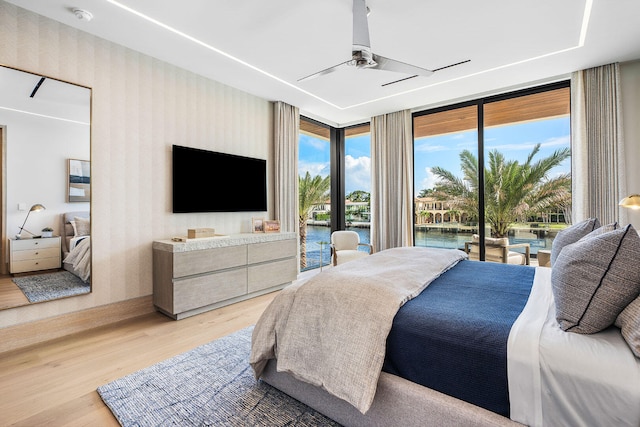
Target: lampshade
pixel 632 201
pixel 37 207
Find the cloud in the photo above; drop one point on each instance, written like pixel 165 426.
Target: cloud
pixel 357 173
pixel 427 148
pixel 559 142
pixel 314 169
pixel 429 181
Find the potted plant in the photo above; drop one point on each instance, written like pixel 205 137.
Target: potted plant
pixel 47 232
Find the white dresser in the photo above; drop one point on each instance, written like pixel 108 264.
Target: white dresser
pixel 34 254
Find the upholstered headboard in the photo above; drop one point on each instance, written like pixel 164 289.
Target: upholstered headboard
pixel 67 230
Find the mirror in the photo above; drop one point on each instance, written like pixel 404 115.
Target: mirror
pixel 45 131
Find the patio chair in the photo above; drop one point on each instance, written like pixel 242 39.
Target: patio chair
pixel 344 247
pixel 498 250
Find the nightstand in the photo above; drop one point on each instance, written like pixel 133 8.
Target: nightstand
pixel 34 254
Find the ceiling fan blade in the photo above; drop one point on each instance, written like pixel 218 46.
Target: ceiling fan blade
pixel 398 66
pixel 323 72
pixel 360 26
pixel 452 65
pixel 416 75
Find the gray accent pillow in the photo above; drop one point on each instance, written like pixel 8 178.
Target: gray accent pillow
pixel 571 235
pixel 629 323
pixel 604 229
pixel 595 278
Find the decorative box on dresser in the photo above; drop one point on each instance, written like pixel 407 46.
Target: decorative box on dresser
pixel 202 274
pixel 27 255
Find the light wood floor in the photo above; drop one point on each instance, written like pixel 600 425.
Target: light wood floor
pixel 10 294
pixel 54 384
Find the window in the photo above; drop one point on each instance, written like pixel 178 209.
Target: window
pixel 314 172
pixel 522 189
pixel 357 179
pixel 440 139
pixel 336 193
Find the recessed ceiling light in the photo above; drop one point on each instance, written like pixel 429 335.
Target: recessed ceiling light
pixel 83 15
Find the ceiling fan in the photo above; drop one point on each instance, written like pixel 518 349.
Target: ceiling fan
pixel 363 57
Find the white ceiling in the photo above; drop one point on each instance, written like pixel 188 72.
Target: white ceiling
pixel 264 47
pixel 24 93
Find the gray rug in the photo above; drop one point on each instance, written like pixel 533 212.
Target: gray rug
pixel 49 286
pixel 211 385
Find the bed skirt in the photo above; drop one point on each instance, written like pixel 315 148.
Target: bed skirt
pixel 397 402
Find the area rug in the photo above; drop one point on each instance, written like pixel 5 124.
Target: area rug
pixel 49 286
pixel 211 385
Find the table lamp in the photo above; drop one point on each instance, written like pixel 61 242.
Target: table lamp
pixel 632 202
pixel 35 208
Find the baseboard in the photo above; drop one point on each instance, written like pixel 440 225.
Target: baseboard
pixel 27 334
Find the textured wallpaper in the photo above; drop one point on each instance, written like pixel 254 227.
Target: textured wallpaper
pixel 140 107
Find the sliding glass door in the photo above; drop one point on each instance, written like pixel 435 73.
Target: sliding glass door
pixel 496 167
pixel 527 168
pixel 445 177
pixel 357 180
pixel 314 178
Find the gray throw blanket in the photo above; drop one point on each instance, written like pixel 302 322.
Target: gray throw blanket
pixel 331 331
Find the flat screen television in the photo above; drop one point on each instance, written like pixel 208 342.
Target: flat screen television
pixel 209 181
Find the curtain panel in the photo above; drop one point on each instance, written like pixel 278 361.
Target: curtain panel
pixel 391 180
pixel 286 129
pixel 597 150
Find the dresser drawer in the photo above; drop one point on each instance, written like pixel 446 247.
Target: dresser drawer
pixel 35 264
pixel 35 254
pixel 268 275
pixel 267 251
pixel 204 261
pixel 25 244
pixel 195 292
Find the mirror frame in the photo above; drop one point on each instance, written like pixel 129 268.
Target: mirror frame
pixel 4 251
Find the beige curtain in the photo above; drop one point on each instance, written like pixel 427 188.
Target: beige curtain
pixel 391 180
pixel 286 127
pixel 597 168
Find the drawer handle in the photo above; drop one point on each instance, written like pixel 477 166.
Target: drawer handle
pixel 37 253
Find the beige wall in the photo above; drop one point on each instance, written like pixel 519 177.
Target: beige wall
pixel 141 106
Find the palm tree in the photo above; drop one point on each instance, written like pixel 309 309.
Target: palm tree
pixel 359 196
pixel 424 214
pixel 311 191
pixel 511 189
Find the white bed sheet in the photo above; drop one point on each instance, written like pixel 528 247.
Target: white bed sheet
pixel 562 378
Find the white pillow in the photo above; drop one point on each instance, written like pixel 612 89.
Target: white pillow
pixel 81 226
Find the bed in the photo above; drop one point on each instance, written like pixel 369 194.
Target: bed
pixel 76 243
pixel 459 349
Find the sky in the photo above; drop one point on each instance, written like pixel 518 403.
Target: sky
pixel 514 141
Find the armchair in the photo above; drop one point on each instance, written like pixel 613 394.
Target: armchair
pixel 498 250
pixel 344 247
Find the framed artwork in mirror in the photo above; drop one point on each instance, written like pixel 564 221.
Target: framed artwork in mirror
pixel 79 181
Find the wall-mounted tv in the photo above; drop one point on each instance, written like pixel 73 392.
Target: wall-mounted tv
pixel 209 181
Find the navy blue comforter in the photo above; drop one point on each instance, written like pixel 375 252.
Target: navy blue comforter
pixel 453 336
